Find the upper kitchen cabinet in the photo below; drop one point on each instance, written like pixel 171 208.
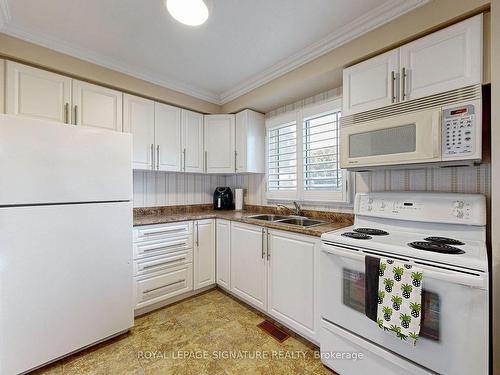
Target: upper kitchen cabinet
pixel 250 141
pixel 97 106
pixel 167 137
pixel 139 119
pixel 220 153
pixel 370 84
pixel 443 61
pixel 192 142
pixel 37 93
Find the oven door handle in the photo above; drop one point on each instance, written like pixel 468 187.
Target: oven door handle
pixel 456 277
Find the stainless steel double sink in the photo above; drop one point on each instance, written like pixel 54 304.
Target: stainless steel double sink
pixel 300 221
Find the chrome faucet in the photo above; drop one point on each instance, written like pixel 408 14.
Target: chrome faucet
pixel 297 211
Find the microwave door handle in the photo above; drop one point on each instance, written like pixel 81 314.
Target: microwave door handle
pixel 473 281
pixel 436 120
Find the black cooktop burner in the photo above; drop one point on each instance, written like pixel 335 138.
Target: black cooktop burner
pixel 436 247
pixel 444 240
pixel 358 236
pixel 371 231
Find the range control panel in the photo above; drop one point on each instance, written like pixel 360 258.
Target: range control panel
pixel 459 125
pixel 428 207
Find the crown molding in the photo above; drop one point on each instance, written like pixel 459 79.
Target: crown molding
pixel 369 21
pixel 4 13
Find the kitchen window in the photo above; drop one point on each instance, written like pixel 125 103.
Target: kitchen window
pixel 303 155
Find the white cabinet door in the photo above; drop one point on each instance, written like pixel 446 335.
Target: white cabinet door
pixel 445 60
pixel 168 137
pixel 192 142
pixel 219 143
pixel 139 119
pixel 223 252
pixel 97 106
pixel 250 142
pixel 37 93
pixel 370 84
pixel 293 281
pixel 249 264
pixel 204 253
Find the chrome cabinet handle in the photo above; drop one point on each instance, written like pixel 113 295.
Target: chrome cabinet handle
pixel 152 156
pixel 197 235
pixel 404 74
pixel 76 115
pixel 158 157
pixel 164 247
pixel 66 113
pixel 206 157
pixel 163 286
pixel 393 85
pixel 268 247
pixel 184 154
pixel 235 160
pixel 162 263
pixel 262 243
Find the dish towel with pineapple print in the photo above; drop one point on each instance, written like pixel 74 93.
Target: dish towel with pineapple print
pixel 399 299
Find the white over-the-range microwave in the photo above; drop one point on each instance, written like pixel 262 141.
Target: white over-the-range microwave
pixel 443 129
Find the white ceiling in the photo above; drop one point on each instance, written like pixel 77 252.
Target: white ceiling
pixel 244 43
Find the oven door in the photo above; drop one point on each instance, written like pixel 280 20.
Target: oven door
pixel 454 333
pixel 410 138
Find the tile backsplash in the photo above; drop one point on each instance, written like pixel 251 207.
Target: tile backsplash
pixel 152 189
pixel 169 189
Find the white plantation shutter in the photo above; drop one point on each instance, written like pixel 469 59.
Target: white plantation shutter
pixel 321 153
pixel 303 155
pixel 282 157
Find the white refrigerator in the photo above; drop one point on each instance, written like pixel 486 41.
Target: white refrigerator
pixel 65 239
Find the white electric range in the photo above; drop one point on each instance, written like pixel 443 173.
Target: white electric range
pixel 444 234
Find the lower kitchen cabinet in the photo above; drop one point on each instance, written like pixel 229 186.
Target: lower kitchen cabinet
pixel 293 281
pixel 161 286
pixel 204 253
pixel 163 262
pixel 249 264
pixel 223 253
pixel 277 272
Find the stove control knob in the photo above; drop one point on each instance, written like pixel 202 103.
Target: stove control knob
pixel 459 204
pixel 369 208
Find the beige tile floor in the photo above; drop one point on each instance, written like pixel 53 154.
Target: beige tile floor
pixel 208 326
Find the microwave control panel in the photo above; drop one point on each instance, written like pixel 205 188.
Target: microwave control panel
pixel 459 129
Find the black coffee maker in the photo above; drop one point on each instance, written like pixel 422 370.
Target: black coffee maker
pixel 223 198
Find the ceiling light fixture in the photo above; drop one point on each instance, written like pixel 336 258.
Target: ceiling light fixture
pixel 188 12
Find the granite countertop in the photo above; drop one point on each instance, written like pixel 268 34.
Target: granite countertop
pixel 163 215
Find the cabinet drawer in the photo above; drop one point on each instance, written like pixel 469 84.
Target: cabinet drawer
pixel 152 265
pixel 158 288
pixel 160 231
pixel 162 246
